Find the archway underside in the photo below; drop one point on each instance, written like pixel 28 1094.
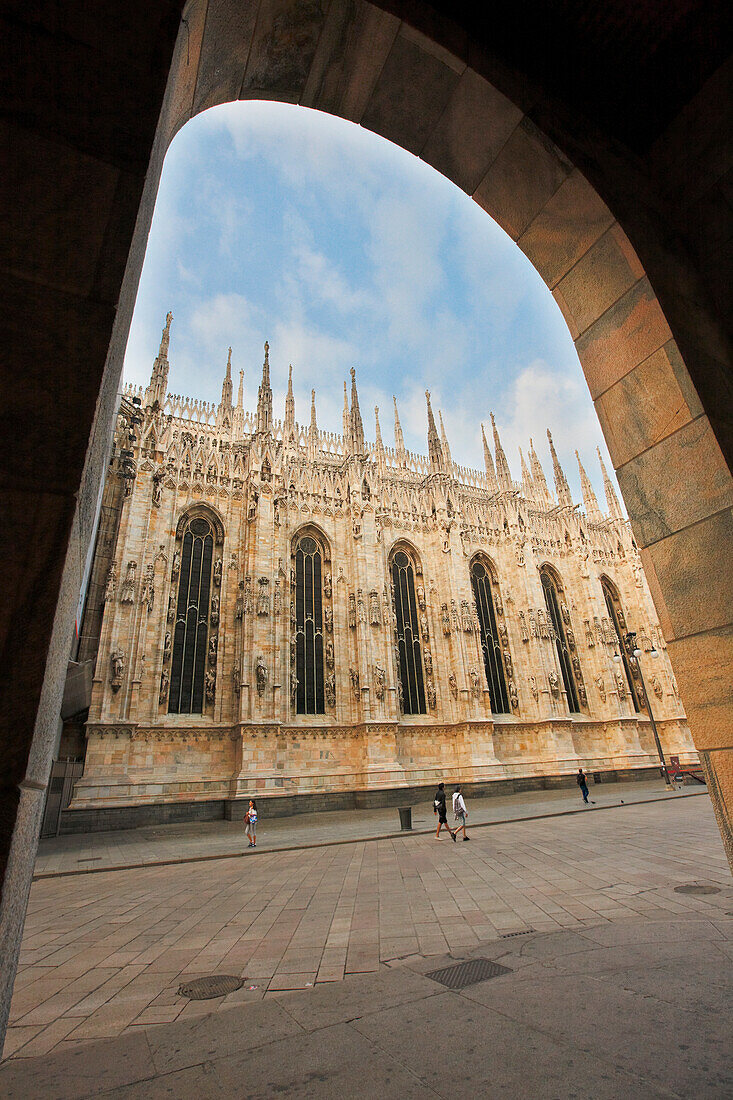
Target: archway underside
pixel 656 360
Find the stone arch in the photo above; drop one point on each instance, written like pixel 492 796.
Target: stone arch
pixel 402 543
pixel 315 531
pixel 206 511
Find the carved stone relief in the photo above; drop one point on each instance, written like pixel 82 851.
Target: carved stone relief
pixel 262 675
pixel 127 592
pixel 117 667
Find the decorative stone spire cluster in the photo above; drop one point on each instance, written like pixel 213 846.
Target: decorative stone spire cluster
pixel 542 493
pixel 614 507
pixel 399 439
pixel 290 406
pixel 527 483
pixel 356 427
pixel 158 388
pixel 503 473
pixel 444 442
pixel 590 501
pixel 564 499
pixel 226 386
pixel 264 396
pixel 313 430
pixel 238 417
pixel 435 447
pixel 489 464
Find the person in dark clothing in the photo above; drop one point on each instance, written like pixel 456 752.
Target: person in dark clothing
pixel 440 809
pixel 582 780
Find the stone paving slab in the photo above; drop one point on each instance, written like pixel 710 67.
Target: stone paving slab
pixel 103 955
pixel 532 1032
pixel 89 853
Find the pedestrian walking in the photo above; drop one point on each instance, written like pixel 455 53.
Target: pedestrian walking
pixel 439 808
pixel 582 780
pixel 250 822
pixel 460 812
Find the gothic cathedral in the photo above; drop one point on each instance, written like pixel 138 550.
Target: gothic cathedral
pixel 329 622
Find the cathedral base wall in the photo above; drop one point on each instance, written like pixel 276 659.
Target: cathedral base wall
pixel 135 777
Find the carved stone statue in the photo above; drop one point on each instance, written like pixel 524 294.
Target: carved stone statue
pixel 598 681
pixel 210 685
pixel 513 696
pixel 117 665
pixel 565 612
pixel 293 690
pixel 570 638
pixel 589 639
pixel 432 697
pixel 252 507
pixel 217 572
pixel 167 646
pixel 533 687
pixel 248 595
pixel 329 655
pixel 157 488
pixel 171 609
pixel 428 660
pixel 453 685
pixel 620 686
pixel 576 664
pixel 582 694
pixel 508 663
pixel 657 687
pixel 163 693
pixel 400 695
pixel 263 599
pixel 466 617
pixel 356 527
pixel 239 605
pixel 532 623
pixel 554 684
pixel 380 680
pixel 503 635
pixel 360 606
pixel 375 615
pixel 421 597
pixel 214 613
pixel 327 586
pixel 328 619
pixel 475 682
pixel 445 618
pixel 213 643
pixel 352 610
pixel 424 629
pixel 354 675
pixel 330 689
pixel 261 675
pixel 127 592
pixel 498 605
pixel 277 600
pixel 237 677
pixel 111 586
pixel 176 567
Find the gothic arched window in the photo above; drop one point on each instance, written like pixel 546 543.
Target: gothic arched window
pixel 190 640
pixel 409 655
pixel 615 612
pixel 308 626
pixel 490 640
pixel 553 599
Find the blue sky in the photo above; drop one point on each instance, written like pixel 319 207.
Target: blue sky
pixel 280 223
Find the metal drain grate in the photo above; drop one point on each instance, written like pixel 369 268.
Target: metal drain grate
pixel 214 985
pixel 693 888
pixel 468 973
pixel 508 935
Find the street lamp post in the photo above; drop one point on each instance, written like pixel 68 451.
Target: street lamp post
pixel 633 651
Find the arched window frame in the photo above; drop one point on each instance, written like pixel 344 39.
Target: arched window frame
pixel 494 642
pixel 618 618
pixel 554 593
pixel 404 567
pixel 312 674
pixel 194 578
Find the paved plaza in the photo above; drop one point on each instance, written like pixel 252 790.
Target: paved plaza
pixel 617 984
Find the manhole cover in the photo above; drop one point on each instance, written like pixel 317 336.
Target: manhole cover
pixel 215 985
pixel 468 973
pixel 693 888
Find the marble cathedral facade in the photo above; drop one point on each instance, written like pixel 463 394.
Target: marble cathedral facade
pixel 291 612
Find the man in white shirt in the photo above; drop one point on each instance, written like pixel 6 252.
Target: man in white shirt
pixel 460 811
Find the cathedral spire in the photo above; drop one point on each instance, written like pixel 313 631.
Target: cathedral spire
pixel 238 416
pixel 313 430
pixel 346 421
pixel 538 476
pixel 614 508
pixel 290 405
pixel 444 442
pixel 378 438
pixel 503 473
pixel 356 426
pixel 592 511
pixel 399 439
pixel 527 484
pixel 489 464
pixel 226 386
pixel 435 450
pixel 562 488
pixel 158 387
pixel 264 396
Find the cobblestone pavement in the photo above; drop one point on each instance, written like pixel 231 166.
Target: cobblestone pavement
pixel 89 852
pixel 103 955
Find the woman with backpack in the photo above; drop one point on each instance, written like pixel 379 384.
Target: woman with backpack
pixel 250 820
